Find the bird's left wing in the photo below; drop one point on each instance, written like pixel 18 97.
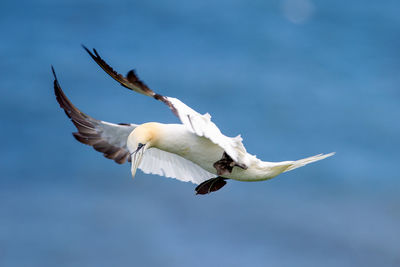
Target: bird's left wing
pixel 105 137
pixel 195 122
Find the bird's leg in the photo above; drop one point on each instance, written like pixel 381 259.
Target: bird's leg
pixel 211 185
pixel 225 165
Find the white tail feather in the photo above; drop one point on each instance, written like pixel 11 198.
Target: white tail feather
pixel 301 162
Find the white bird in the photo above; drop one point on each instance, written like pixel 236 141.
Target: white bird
pixel 194 150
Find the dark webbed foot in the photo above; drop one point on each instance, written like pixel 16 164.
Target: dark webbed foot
pixel 210 185
pixel 225 165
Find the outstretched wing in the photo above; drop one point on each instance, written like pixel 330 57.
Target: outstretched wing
pixel 105 137
pixel 194 121
pixel 156 161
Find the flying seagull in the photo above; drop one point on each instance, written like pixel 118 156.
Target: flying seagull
pixel 194 150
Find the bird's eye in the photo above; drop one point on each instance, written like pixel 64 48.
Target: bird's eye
pixel 140 145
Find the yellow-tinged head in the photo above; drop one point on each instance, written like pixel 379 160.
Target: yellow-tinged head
pixel 141 138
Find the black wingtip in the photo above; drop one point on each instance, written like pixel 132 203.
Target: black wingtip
pixel 90 52
pixel 54 72
pixel 87 49
pixel 84 47
pixel 95 52
pixel 56 84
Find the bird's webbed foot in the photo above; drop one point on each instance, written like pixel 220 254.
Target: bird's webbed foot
pixel 211 185
pixel 225 165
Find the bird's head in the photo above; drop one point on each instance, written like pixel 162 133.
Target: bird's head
pixel 141 138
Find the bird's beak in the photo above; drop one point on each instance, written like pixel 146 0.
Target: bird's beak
pixel 136 158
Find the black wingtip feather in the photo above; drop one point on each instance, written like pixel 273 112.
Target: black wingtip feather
pixel 87 132
pixel 56 84
pixel 95 55
pixel 54 72
pixel 95 52
pixel 86 49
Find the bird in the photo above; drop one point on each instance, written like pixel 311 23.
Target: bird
pixel 194 150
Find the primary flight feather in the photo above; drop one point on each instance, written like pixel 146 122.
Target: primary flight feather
pixel 194 150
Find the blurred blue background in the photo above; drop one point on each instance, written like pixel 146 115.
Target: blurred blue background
pixel 294 77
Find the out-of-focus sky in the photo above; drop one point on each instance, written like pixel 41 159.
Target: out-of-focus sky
pixel 294 77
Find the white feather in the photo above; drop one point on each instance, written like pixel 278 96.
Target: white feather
pixel 156 161
pixel 202 125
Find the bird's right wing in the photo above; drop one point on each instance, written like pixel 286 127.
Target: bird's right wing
pixel 199 124
pixel 156 161
pixel 105 137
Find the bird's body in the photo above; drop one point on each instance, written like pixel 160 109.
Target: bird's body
pixel 195 150
pixel 176 139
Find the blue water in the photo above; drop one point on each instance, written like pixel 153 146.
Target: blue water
pixel 294 77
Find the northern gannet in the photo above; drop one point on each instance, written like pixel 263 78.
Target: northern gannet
pixel 194 150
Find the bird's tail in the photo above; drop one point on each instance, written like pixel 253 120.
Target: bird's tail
pixel 302 162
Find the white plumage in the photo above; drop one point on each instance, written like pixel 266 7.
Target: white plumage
pixel 202 125
pixel 167 164
pixel 194 151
